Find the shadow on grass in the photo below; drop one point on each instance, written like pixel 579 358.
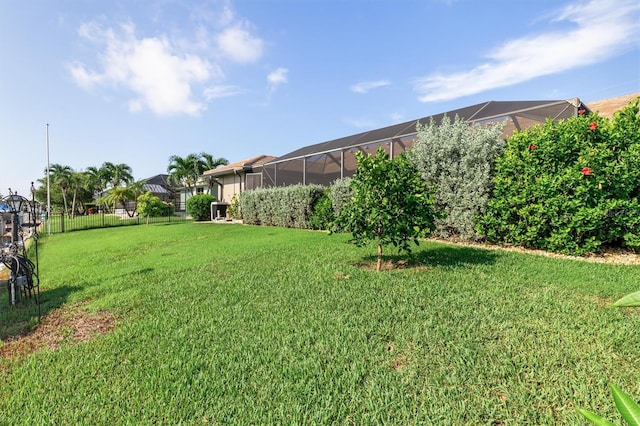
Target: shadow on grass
pixel 441 255
pixel 21 318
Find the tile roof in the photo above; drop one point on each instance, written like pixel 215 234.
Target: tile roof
pixel 606 107
pixel 239 165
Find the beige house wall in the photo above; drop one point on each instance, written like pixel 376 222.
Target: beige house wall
pixel 232 184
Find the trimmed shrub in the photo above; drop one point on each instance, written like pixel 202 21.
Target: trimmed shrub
pixel 286 206
pixel 340 193
pixel 569 187
pixel 458 160
pixel 199 206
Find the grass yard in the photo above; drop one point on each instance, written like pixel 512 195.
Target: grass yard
pixel 202 323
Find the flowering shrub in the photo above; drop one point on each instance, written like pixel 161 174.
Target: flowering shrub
pixel 577 191
pixel 457 159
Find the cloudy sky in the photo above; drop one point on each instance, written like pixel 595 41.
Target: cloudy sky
pixel 138 81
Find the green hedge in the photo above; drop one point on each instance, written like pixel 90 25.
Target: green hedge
pixel 286 206
pixel 199 206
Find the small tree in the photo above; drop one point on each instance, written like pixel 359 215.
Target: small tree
pixel 199 206
pixel 150 205
pixel 391 204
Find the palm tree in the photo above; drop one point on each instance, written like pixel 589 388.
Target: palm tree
pixel 211 163
pixel 137 189
pixel 118 195
pixel 185 171
pixel 77 181
pixel 117 174
pixel 60 176
pixel 97 179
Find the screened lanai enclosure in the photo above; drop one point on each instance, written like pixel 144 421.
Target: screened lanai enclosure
pixel 325 162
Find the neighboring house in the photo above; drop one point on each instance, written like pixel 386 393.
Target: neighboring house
pixel 160 187
pixel 236 177
pixel 183 193
pixel 606 107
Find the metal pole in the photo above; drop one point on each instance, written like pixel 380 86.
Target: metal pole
pixel 48 188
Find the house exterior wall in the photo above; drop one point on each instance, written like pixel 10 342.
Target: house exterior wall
pixel 232 184
pixel 186 193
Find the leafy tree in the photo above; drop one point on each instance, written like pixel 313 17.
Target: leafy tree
pixel 149 205
pixel 391 204
pixel 457 159
pixel 199 206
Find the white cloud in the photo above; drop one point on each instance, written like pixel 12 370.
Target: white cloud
pixel 277 77
pixel 217 92
pixel 169 73
pixel 366 86
pixel 599 30
pixel 160 78
pixel 239 45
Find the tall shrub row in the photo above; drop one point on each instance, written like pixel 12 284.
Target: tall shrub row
pixel 287 206
pixel 340 193
pixel 458 160
pixel 570 187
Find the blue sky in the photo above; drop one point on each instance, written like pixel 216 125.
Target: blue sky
pixel 138 81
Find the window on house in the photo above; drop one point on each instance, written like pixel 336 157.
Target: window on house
pixel 199 191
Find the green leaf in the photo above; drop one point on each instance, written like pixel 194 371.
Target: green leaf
pixel 627 407
pixel 629 300
pixel 594 418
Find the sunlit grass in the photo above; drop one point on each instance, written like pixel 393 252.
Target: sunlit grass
pixel 229 324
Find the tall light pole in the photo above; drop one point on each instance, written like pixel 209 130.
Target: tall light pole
pixel 48 188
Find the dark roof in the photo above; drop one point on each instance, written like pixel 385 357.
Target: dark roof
pixel 537 111
pixel 155 188
pixel 157 180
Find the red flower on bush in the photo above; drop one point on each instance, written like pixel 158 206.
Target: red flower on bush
pixel 593 126
pixel 586 171
pixel 532 147
pixel 582 111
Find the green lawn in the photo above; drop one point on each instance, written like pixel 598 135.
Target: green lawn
pixel 229 324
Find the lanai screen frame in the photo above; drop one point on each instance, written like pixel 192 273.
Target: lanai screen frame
pixel 317 164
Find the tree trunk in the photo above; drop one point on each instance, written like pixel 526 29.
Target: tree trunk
pixel 73 203
pixel 64 198
pixel 379 265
